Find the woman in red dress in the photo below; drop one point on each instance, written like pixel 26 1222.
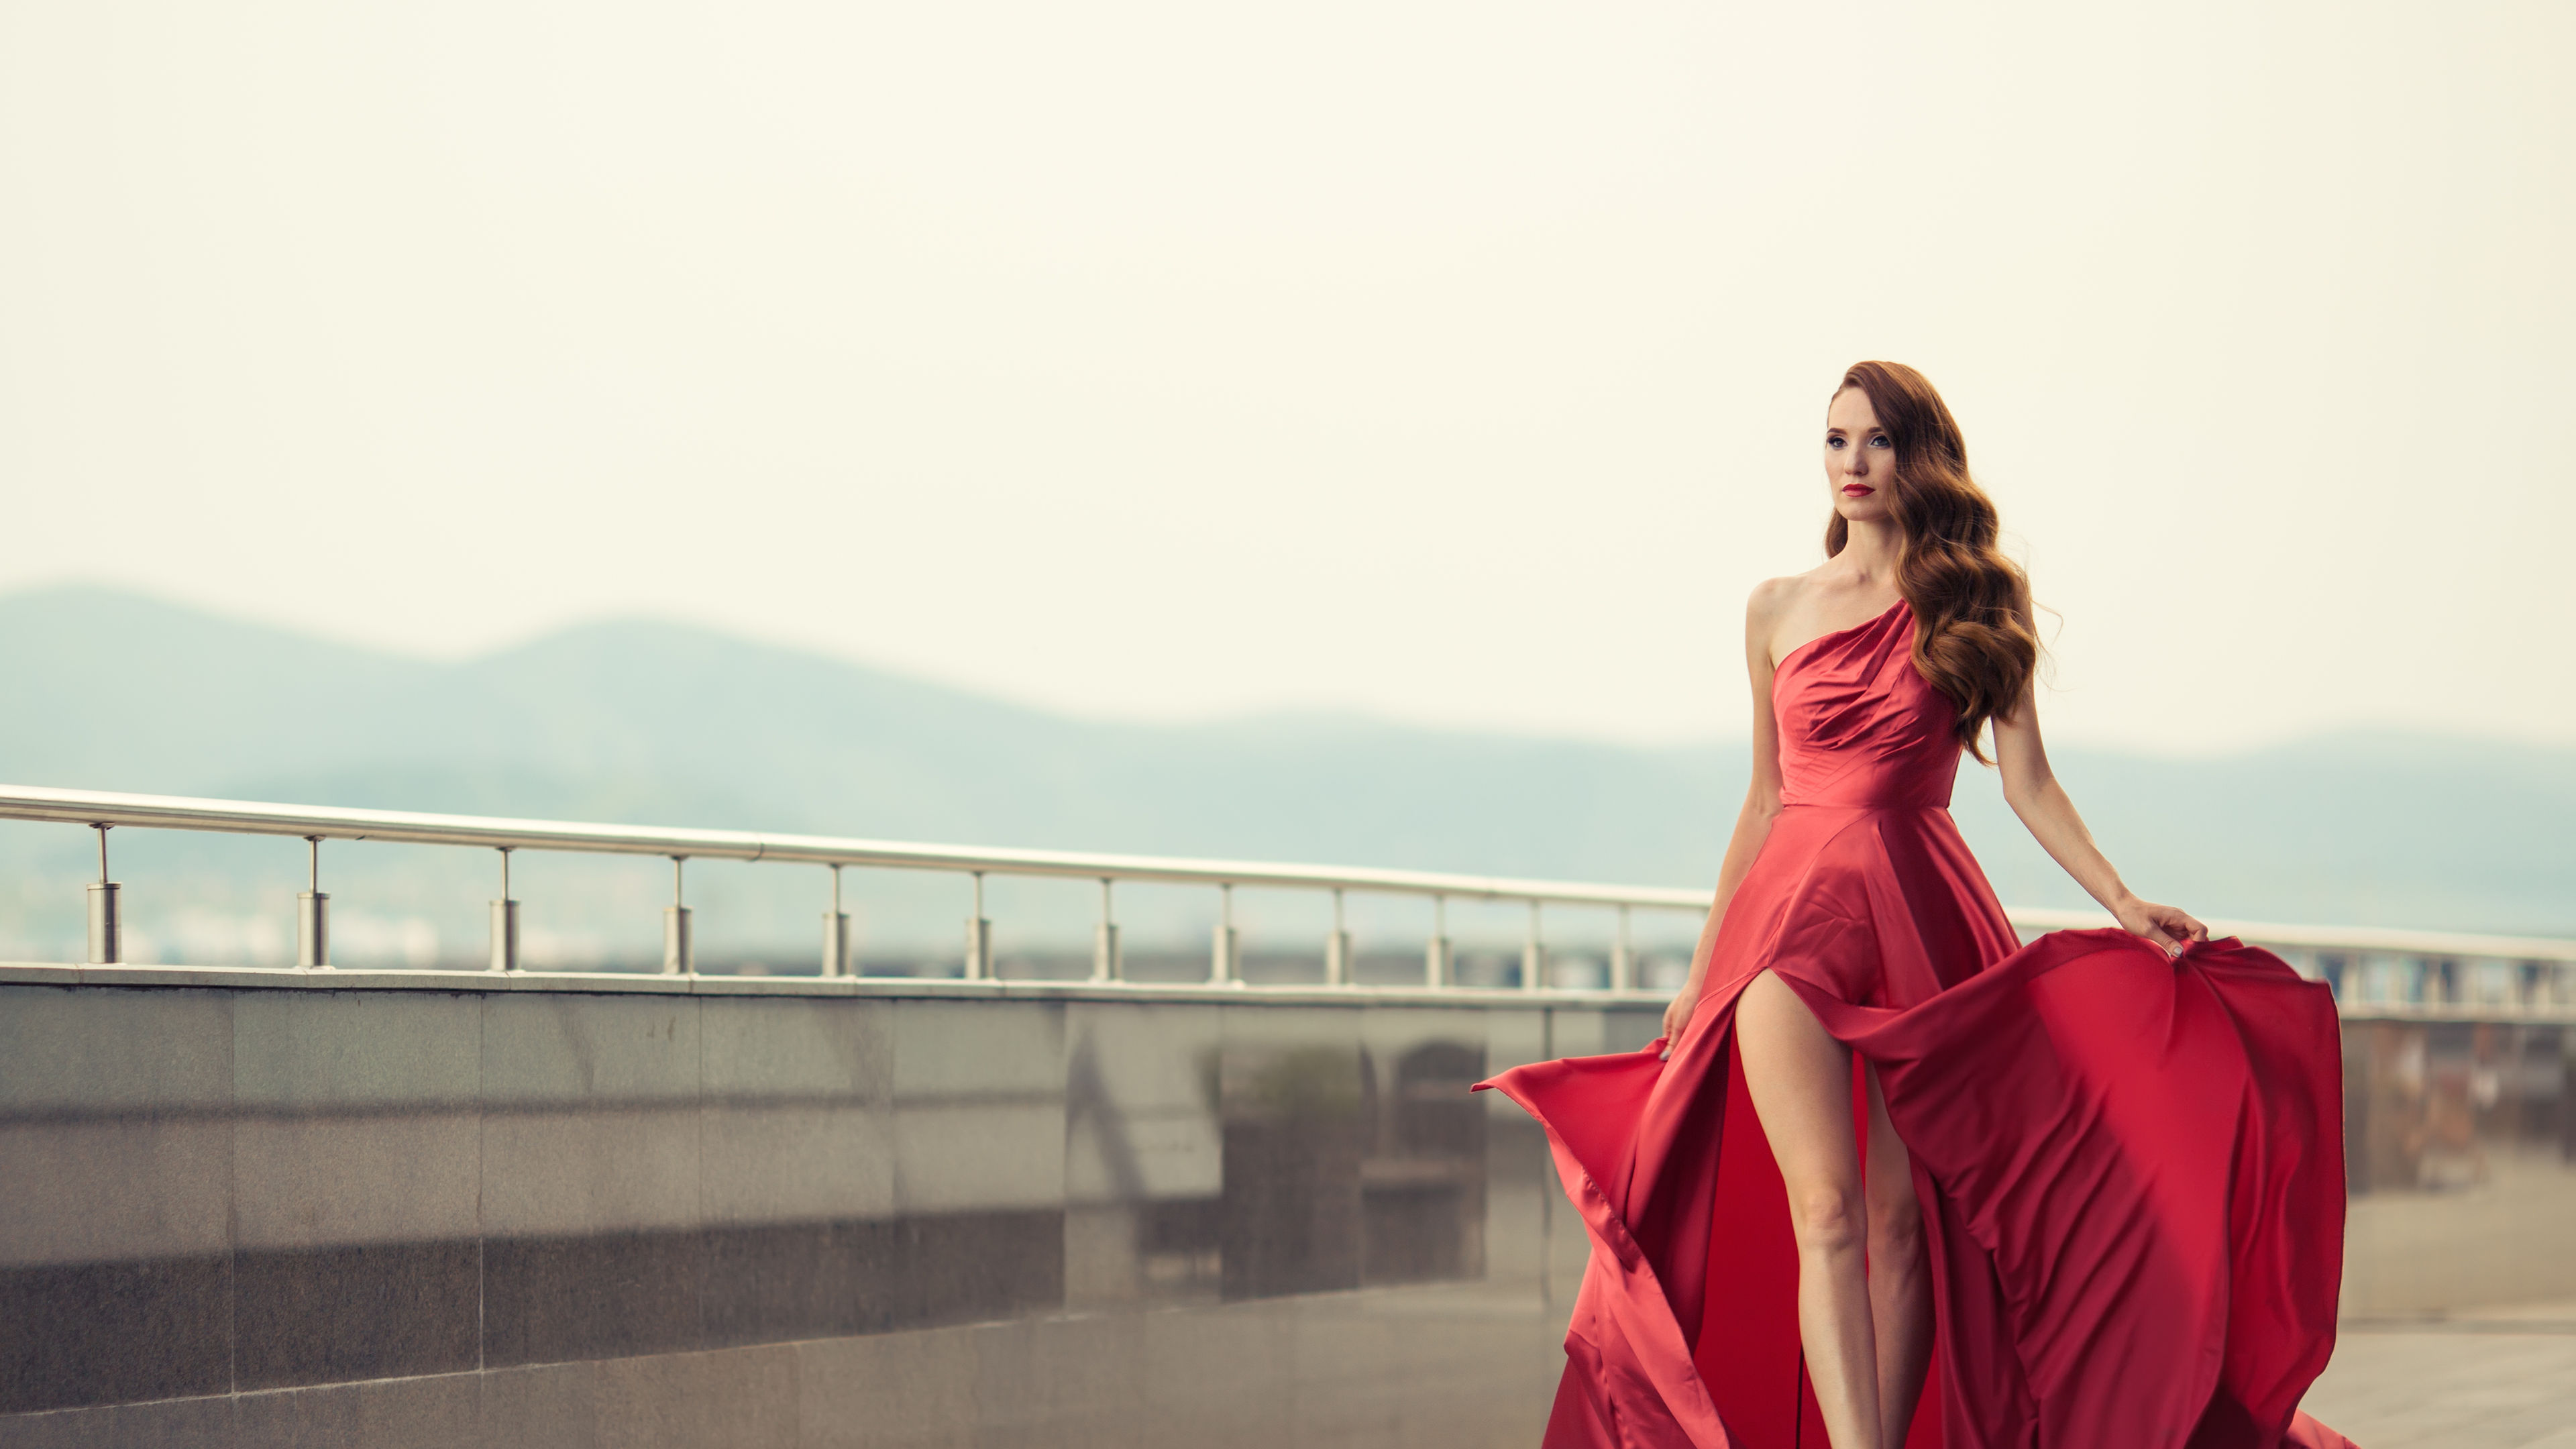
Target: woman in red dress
pixel 2087 1191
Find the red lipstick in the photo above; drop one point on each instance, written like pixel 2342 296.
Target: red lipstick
pixel 1857 490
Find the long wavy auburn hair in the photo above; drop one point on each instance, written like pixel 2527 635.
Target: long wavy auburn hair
pixel 1969 600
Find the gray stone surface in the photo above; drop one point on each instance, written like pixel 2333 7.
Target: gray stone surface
pixel 262 1190
pixel 356 1170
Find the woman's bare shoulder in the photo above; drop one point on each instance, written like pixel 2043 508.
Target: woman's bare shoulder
pixel 1772 598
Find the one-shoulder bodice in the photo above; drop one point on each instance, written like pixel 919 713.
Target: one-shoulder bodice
pixel 1860 727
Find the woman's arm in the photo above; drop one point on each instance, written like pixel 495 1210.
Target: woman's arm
pixel 1761 801
pixel 2031 788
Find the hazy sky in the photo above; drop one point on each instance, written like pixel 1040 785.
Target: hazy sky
pixel 1455 362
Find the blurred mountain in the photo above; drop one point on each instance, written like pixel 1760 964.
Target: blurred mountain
pixel 664 723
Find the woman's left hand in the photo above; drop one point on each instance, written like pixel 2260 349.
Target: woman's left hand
pixel 2167 927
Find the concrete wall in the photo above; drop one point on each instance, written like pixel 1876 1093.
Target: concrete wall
pixel 405 1217
pixel 454 1217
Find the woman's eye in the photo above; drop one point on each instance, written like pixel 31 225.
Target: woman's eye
pixel 1881 441
pixel 1833 442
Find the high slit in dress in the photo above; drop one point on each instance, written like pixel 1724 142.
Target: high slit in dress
pixel 2130 1167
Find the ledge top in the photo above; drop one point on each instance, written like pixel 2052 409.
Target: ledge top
pixel 36 973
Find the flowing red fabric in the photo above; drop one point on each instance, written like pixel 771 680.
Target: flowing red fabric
pixel 2131 1168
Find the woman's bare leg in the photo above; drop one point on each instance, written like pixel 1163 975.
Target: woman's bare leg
pixel 1900 1282
pixel 1801 1083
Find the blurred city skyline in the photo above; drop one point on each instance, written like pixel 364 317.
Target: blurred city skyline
pixel 1458 365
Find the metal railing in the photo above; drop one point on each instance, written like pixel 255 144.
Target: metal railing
pixel 103 811
pixel 2379 972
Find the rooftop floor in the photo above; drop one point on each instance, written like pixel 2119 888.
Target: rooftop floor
pixel 2505 1379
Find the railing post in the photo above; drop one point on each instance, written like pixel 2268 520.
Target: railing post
pixel 313 915
pixel 106 931
pixel 1623 966
pixel 1435 956
pixel 1106 964
pixel 836 931
pixel 1533 953
pixel 679 951
pixel 505 921
pixel 1225 961
pixel 1337 947
pixel 979 937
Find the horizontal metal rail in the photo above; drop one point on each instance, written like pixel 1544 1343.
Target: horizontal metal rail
pixel 2353 939
pixel 2391 972
pixel 244 817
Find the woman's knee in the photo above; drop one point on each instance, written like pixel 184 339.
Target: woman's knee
pixel 1827 1217
pixel 1895 1223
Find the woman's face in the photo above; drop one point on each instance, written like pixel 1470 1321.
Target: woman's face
pixel 1860 458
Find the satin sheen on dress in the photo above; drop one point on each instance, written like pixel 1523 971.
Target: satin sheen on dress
pixel 2131 1168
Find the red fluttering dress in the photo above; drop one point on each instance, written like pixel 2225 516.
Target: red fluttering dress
pixel 2131 1168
